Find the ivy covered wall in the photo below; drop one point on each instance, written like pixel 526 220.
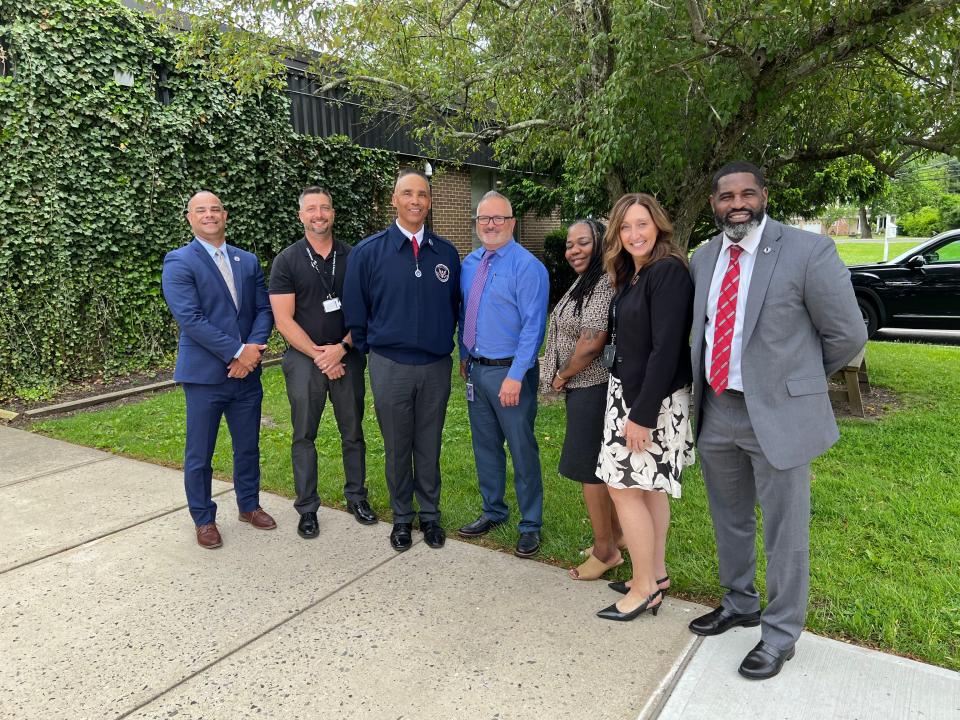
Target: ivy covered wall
pixel 94 177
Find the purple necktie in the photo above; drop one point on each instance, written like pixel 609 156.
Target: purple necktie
pixel 473 302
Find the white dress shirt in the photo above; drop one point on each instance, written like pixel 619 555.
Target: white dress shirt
pixel 418 234
pixel 750 245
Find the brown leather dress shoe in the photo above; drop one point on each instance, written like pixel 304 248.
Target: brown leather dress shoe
pixel 208 536
pixel 259 519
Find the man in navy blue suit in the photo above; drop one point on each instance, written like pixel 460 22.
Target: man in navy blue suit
pixel 219 299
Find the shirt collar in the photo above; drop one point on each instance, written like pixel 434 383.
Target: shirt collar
pixel 407 234
pixel 338 247
pixel 212 249
pixel 751 242
pixel 500 251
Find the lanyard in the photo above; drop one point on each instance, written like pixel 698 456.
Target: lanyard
pixel 416 247
pixel 323 278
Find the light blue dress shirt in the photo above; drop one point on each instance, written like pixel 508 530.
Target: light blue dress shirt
pixel 512 316
pixel 212 249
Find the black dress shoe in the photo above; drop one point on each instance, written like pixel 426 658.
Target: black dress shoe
pixel 528 545
pixel 721 620
pixel 433 534
pixel 362 511
pixel 612 613
pixel 481 526
pixel 401 536
pixel 308 527
pixel 764 661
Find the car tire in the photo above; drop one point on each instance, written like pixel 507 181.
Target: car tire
pixel 870 316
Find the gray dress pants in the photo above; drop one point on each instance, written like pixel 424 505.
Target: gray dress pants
pixel 411 405
pixel 307 390
pixel 737 476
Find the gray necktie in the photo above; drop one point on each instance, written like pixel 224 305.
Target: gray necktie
pixel 221 260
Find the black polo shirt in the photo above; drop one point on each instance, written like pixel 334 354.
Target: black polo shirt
pixel 292 272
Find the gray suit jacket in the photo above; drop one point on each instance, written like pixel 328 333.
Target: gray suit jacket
pixel 801 324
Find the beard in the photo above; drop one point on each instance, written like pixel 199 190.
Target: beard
pixel 738 231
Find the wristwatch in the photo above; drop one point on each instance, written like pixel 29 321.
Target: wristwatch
pixel 345 345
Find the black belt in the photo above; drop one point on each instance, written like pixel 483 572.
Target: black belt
pixel 734 393
pixel 499 362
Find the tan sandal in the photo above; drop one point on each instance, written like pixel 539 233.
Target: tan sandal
pixel 588 551
pixel 592 569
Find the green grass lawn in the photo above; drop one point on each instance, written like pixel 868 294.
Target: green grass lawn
pixel 886 509
pixel 856 253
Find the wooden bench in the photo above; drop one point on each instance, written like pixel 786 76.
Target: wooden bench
pixel 855 383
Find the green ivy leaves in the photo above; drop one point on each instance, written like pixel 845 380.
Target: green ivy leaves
pixel 94 177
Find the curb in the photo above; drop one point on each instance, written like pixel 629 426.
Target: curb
pixel 87 402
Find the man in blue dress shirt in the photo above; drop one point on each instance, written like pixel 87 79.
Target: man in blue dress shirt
pixel 502 320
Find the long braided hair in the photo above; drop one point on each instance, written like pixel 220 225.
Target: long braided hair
pixel 586 283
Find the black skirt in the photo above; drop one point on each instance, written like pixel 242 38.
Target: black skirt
pixel 581 444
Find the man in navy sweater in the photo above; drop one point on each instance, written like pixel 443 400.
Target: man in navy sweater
pixel 401 300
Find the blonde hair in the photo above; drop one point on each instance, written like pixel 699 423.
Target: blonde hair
pixel 617 262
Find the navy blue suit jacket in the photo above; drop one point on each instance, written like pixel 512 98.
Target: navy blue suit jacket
pixel 211 327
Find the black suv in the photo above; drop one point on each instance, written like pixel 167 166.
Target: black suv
pixel 919 289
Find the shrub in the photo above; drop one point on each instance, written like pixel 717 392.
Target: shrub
pixel 950 212
pixel 561 274
pixel 921 223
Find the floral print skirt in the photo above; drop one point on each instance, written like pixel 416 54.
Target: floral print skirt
pixel 658 467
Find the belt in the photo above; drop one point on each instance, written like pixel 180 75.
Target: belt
pixel 499 362
pixel 734 393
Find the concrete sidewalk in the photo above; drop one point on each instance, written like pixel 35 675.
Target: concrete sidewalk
pixel 108 609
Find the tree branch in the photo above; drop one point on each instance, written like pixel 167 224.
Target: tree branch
pixel 489 134
pixel 341 81
pixel 933 144
pixel 844 36
pixel 510 6
pixel 445 22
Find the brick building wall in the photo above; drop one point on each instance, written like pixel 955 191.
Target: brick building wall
pixel 452 210
pixel 533 228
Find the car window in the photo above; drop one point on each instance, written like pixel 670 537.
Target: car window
pixel 949 253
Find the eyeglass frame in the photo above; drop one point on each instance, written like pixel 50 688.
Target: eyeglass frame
pixel 498 220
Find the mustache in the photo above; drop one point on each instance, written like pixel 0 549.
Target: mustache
pixel 753 215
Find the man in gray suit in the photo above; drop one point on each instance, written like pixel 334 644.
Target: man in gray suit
pixel 774 315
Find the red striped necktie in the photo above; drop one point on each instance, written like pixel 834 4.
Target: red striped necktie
pixel 724 321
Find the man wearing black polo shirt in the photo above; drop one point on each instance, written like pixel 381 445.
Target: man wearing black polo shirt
pixel 306 287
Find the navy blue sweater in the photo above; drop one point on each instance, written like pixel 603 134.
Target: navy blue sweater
pixel 389 310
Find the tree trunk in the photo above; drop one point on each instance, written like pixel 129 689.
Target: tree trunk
pixel 864 224
pixel 693 200
pixel 614 185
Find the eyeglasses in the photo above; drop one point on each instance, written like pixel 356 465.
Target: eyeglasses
pixel 497 220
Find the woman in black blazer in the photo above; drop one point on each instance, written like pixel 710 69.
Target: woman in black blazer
pixel 647 439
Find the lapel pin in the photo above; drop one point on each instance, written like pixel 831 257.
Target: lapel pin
pixel 236 258
pixel 766 250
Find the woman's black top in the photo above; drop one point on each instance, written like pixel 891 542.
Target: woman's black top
pixel 654 316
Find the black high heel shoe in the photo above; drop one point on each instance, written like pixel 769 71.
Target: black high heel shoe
pixel 611 613
pixel 621 587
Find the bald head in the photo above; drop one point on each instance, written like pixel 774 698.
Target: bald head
pixel 411 198
pixel 207 218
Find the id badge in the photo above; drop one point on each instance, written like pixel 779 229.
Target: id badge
pixel 331 305
pixel 469 392
pixel 609 357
